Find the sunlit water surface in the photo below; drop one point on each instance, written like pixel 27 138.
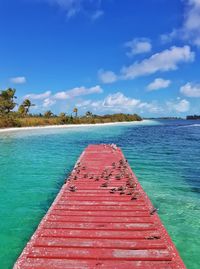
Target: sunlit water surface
pixel 165 156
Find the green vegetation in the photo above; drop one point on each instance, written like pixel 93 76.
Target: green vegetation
pixel 7 103
pixel 10 117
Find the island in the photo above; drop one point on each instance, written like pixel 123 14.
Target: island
pixel 13 115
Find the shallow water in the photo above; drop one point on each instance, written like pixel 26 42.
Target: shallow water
pixel 165 156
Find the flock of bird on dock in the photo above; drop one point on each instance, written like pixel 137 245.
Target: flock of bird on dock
pixel 129 188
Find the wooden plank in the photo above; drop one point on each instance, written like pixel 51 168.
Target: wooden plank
pixel 103 226
pixel 32 263
pixel 105 243
pixel 95 253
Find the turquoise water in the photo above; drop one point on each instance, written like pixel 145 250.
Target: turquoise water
pixel 164 155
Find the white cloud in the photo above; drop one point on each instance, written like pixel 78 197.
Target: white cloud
pixel 107 76
pixel 150 107
pixel 118 102
pixel 190 90
pixel 158 83
pixel 18 80
pixel 165 38
pixel 119 99
pixel 97 14
pixel 84 103
pixel 190 29
pixel 71 7
pixel 74 7
pixel 39 96
pixel 48 99
pixel 178 106
pixel 164 61
pixel 78 91
pixel 138 46
pixel 61 95
pixel 191 26
pixel 48 102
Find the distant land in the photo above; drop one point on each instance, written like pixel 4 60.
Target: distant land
pixel 193 117
pixel 164 118
pixel 189 117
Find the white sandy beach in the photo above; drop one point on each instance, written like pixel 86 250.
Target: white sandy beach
pixel 143 122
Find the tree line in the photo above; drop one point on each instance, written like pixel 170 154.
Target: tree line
pixel 10 116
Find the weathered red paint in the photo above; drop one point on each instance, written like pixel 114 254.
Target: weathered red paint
pixel 101 218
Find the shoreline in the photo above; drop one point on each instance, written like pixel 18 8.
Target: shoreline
pixel 3 130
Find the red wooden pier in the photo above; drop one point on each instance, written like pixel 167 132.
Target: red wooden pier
pixel 101 218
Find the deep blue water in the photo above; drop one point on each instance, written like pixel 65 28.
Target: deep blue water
pixel 165 156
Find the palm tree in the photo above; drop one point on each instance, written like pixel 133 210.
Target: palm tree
pixel 88 114
pixel 75 111
pixel 62 115
pixel 21 110
pixel 48 114
pixel 7 103
pixel 27 104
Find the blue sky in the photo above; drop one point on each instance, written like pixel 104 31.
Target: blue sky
pixel 104 56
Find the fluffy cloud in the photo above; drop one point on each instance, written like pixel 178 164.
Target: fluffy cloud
pixel 107 76
pixel 165 38
pixel 191 26
pixel 138 46
pixel 190 29
pixel 92 8
pixel 39 96
pixel 164 61
pixel 48 102
pixel 84 103
pixel 158 83
pixel 118 102
pixel 18 80
pixel 179 106
pixel 150 107
pixel 48 99
pixel 78 91
pixel 190 90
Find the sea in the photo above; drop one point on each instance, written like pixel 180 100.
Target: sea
pixel 164 154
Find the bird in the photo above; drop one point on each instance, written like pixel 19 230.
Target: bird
pixel 153 237
pixel 112 190
pixel 72 188
pixel 134 197
pixel 121 188
pixel 118 177
pixel 153 210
